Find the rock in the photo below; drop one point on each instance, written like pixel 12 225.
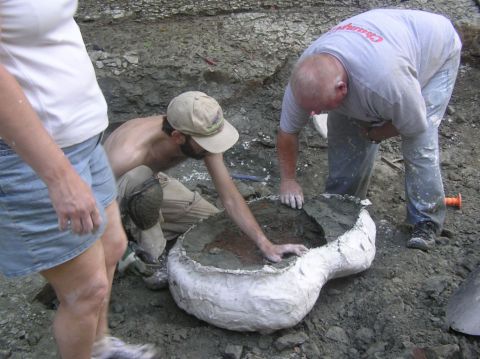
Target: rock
pixel 364 335
pixel 131 58
pixel 261 189
pixel 233 351
pixel 353 353
pixel 413 353
pixel 245 190
pixel 267 141
pixel 436 285
pixel 337 334
pixel 454 177
pixel 470 35
pixel 290 340
pixel 407 344
pixel 333 292
pixel 115 320
pixel 443 351
pixel 180 335
pixel 153 99
pixel 375 348
pixel 265 342
pixel 311 351
pixel 32 338
pixel 467 351
pixel 117 307
pixel 46 295
pixel 460 118
pixel 448 233
pixel 5 353
pixel 117 14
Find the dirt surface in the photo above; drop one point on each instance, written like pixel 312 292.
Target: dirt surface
pixel 241 52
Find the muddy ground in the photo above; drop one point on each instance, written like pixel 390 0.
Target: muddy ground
pixel 241 52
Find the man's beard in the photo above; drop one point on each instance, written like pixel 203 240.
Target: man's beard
pixel 187 150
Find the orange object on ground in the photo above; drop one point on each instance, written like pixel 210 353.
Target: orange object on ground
pixel 454 201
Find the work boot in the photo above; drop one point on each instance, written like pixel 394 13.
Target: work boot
pixel 134 260
pixel 155 275
pixel 158 280
pixel 114 348
pixel 423 236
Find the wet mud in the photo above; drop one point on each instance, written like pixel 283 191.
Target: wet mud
pixel 218 241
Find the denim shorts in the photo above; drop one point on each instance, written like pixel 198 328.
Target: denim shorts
pixel 30 240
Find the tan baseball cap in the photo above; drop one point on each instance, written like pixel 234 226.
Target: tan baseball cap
pixel 199 115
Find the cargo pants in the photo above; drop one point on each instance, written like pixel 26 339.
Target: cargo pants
pixel 180 209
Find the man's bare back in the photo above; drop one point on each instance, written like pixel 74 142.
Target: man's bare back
pixel 141 141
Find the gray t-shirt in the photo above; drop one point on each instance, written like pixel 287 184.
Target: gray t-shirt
pixel 389 56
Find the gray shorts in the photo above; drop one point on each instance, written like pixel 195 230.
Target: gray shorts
pixel 30 240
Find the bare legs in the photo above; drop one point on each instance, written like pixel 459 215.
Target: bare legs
pixel 114 242
pixel 83 287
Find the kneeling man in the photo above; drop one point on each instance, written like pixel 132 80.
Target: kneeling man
pixel 156 207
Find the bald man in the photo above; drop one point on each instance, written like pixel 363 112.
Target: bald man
pixel 380 74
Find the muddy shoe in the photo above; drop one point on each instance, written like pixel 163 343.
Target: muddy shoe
pixel 135 260
pixel 114 348
pixel 158 280
pixel 155 275
pixel 423 236
pixel 126 262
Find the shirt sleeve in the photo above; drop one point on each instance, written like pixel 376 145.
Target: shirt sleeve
pixel 293 118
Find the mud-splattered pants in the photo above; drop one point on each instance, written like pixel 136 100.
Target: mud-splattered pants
pixel 351 156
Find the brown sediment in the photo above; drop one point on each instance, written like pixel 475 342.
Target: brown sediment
pixel 220 243
pixel 281 225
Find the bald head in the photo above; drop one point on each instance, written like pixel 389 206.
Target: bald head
pixel 319 82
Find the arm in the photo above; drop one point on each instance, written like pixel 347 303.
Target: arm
pixel 22 130
pixel 239 212
pixel 287 149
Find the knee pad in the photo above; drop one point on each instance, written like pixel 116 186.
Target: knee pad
pixel 143 204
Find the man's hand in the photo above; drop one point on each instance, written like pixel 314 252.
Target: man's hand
pixel 371 134
pixel 275 252
pixel 377 134
pixel 75 204
pixel 291 193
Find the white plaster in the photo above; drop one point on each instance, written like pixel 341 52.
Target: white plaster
pixel 268 299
